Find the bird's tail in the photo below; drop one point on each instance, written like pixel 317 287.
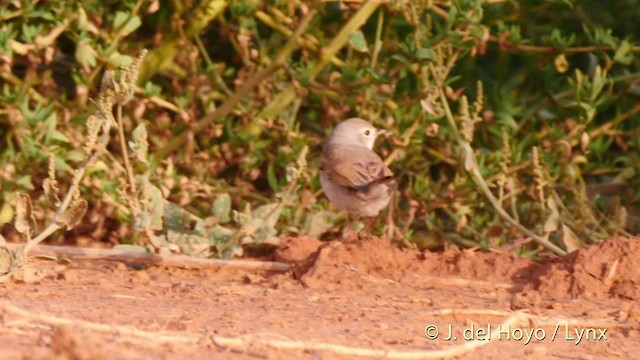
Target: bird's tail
pixel 390 181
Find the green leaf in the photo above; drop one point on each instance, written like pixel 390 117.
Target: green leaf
pixel 267 235
pixel 269 213
pixel 118 60
pixel 153 216
pixel 176 218
pixel 271 177
pixel 62 165
pixel 85 54
pixel 57 135
pixel 192 244
pixel 83 22
pixel 25 181
pixel 377 75
pixel 126 23
pixel 400 58
pixel 139 144
pixel 75 155
pixel 357 40
pixel 425 54
pixel 624 54
pixel 219 235
pixel 151 89
pixel 222 208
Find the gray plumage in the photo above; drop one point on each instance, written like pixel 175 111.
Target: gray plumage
pixel 352 175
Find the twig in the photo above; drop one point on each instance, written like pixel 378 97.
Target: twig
pixel 125 155
pixel 377 45
pixel 452 281
pixel 182 261
pixel 609 124
pixel 516 244
pixel 406 138
pixel 229 105
pixel 246 341
pixel 440 12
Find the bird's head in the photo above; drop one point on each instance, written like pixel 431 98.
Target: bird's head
pixel 355 131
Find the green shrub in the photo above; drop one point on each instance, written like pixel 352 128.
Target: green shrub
pixel 550 115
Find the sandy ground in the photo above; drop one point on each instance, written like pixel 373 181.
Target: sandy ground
pixel 340 300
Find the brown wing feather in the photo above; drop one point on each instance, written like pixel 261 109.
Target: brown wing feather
pixel 355 167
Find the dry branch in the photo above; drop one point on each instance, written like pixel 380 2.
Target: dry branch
pixel 182 261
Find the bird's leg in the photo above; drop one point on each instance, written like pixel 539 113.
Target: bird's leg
pixel 351 229
pixel 391 226
pixel 369 226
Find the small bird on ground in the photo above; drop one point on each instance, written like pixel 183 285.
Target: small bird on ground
pixel 353 176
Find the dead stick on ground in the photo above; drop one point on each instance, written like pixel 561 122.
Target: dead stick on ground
pixel 466 282
pixel 245 342
pixel 182 261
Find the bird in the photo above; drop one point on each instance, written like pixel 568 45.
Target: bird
pixel 352 175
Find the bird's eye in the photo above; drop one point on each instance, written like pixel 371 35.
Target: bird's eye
pixel 367 132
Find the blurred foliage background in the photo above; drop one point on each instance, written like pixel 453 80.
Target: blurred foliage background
pixel 232 114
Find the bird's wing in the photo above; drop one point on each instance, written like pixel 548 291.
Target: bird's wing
pixel 355 167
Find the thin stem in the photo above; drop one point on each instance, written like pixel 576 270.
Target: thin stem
pixel 50 229
pixel 406 137
pixel 203 51
pixel 125 152
pixel 377 45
